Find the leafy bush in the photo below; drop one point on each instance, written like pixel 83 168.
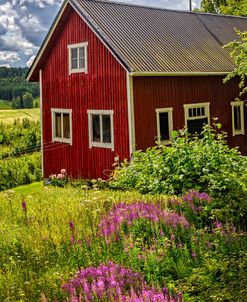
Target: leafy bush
pixel 20 170
pixel 204 163
pixel 20 137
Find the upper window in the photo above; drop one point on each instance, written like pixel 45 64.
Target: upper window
pixel 164 125
pixel 196 116
pixel 62 125
pixel 78 57
pixel 237 118
pixel 100 126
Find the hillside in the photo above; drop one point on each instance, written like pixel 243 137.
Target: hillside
pixel 13 85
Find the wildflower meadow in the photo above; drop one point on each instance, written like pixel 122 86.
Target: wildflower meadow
pixel 80 244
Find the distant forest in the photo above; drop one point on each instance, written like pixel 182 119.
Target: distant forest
pixel 15 89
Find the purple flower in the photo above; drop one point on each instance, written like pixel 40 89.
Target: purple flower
pixel 128 213
pixel 24 205
pixel 111 282
pixel 71 225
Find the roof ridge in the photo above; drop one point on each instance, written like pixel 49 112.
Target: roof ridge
pixel 121 2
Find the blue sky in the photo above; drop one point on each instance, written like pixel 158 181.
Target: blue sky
pixel 24 24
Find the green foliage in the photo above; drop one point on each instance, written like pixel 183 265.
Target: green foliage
pixel 14 85
pixel 205 164
pixel 238 51
pixel 228 7
pixel 20 137
pixel 38 255
pixel 20 170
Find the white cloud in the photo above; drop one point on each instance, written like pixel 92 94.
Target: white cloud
pixel 30 61
pixel 40 3
pixel 9 56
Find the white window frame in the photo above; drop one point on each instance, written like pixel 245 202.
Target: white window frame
pixel 169 110
pixel 242 130
pixel 196 105
pixel 100 144
pixel 77 46
pixel 61 139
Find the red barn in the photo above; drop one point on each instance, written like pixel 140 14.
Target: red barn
pixel 116 77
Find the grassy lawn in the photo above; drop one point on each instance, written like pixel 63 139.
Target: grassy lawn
pixel 34 188
pixel 8 116
pixel 4 105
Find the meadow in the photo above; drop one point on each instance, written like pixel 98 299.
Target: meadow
pixel 10 115
pixel 4 105
pixel 91 244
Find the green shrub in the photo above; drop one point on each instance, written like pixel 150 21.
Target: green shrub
pixel 20 170
pixel 204 163
pixel 20 137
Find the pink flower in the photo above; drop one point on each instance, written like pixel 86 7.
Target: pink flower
pixel 60 176
pixel 63 171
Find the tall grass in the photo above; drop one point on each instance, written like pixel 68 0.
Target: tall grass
pixel 48 236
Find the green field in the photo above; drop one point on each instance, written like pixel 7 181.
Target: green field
pixel 48 233
pixel 8 116
pixel 4 105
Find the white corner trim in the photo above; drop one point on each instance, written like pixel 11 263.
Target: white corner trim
pixel 41 123
pixel 61 139
pixel 242 130
pixel 100 144
pixel 131 113
pixel 78 45
pixel 169 110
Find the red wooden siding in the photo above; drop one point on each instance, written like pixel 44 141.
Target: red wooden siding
pixel 159 92
pixel 104 87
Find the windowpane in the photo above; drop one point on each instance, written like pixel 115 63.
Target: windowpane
pixel 66 125
pixel 82 57
pixel 106 124
pixel 203 111
pixel 190 112
pixel 96 127
pixel 74 57
pixel 237 118
pixel 195 126
pixel 164 126
pixel 58 127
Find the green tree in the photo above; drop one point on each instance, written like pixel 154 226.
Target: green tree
pixel 27 100
pixel 238 52
pixel 229 7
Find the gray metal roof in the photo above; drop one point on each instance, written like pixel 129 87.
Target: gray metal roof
pixel 159 40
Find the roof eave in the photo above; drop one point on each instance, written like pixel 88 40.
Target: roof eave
pixel 101 35
pixel 90 23
pixel 46 41
pixel 186 73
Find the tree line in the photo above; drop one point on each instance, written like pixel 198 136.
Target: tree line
pixel 15 89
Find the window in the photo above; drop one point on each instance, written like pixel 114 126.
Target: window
pixel 62 125
pixel 100 126
pixel 237 118
pixel 78 57
pixel 164 125
pixel 196 116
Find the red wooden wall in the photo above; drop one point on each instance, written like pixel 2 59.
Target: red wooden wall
pixel 104 87
pixel 159 92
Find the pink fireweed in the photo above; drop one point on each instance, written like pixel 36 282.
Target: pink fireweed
pixel 105 281
pixel 196 200
pixel 128 213
pixel 114 283
pixel 152 295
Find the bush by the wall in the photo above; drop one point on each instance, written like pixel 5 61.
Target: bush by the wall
pixel 204 163
pixel 20 170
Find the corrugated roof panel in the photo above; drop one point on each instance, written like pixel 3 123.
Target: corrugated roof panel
pixel 160 40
